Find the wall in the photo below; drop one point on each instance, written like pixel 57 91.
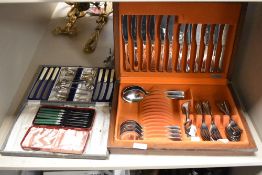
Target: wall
pixel 248 64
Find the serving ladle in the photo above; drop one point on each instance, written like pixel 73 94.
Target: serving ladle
pixel 133 94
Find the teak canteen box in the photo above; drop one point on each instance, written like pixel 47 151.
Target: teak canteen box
pixel 188 47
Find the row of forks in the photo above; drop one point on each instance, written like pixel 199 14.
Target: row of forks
pixel 232 130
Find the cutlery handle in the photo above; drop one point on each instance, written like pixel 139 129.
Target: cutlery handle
pixel 220 64
pixel 161 60
pixel 213 60
pixel 127 63
pixel 180 53
pixel 135 59
pixel 188 58
pixel 169 61
pixel 153 61
pixel 196 64
pixel 203 67
pixel 144 61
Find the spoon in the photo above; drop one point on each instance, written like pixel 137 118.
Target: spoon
pixel 136 93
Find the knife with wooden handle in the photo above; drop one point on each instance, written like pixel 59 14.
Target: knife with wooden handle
pixel 40 91
pixel 38 82
pixel 103 90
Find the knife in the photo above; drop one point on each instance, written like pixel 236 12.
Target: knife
pixel 163 35
pixel 206 42
pixel 111 84
pixel 181 39
pixel 215 41
pixel 151 31
pixel 50 83
pixel 134 37
pixel 143 33
pixel 103 90
pixel 198 40
pixel 170 30
pixel 189 41
pixel 125 37
pixel 224 39
pixel 40 91
pixel 98 84
pixel 37 83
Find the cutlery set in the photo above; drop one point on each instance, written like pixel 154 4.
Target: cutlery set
pixel 59 129
pixel 44 83
pixel 157 118
pixel 158 43
pixel 64 117
pixel 76 84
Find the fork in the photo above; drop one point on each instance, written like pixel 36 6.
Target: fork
pixel 204 132
pixel 215 134
pixel 233 131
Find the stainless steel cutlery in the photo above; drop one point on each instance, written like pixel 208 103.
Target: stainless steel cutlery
pixel 156 34
pixel 181 40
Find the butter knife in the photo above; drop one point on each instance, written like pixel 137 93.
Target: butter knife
pixel 170 30
pixel 50 83
pixel 215 41
pixel 103 90
pixel 189 41
pixel 152 38
pixel 224 39
pixel 206 42
pixel 143 32
pixel 181 39
pixel 40 91
pixel 134 37
pixel 111 84
pixel 198 41
pixel 98 84
pixel 38 82
pixel 125 37
pixel 163 38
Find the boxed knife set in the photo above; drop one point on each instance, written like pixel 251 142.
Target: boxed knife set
pixel 77 84
pixel 66 114
pixel 172 63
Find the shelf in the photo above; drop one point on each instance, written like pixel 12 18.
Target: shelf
pixel 126 161
pixel 68 51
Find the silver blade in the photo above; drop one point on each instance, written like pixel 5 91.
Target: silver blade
pixel 207 34
pixel 216 34
pixel 98 84
pixel 163 28
pixel 125 28
pixel 143 28
pixel 198 34
pixel 152 29
pixel 110 88
pixel 224 36
pixel 170 28
pixel 102 93
pixel 181 33
pixel 133 28
pixel 189 33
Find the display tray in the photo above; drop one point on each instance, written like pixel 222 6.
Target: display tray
pixel 73 84
pixel 175 62
pixel 96 145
